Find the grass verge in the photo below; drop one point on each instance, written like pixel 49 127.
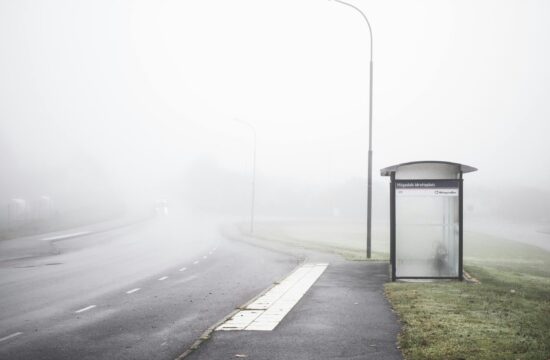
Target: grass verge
pixel 506 316
pixel 345 238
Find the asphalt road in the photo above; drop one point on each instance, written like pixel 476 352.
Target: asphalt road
pixel 141 292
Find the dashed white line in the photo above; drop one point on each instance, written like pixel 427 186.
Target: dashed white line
pixel 163 278
pixel 196 262
pixel 84 309
pixel 133 291
pixel 10 336
pixel 183 269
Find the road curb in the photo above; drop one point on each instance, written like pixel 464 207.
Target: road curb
pixel 207 334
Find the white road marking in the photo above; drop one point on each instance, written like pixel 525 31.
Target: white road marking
pixel 196 262
pixel 163 278
pixel 133 291
pixel 84 309
pixel 267 311
pixel 65 236
pixel 183 269
pixel 10 336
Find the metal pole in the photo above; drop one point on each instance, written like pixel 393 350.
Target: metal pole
pixel 253 197
pixel 392 227
pixel 369 175
pixel 460 228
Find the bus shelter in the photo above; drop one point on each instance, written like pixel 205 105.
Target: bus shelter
pixel 426 219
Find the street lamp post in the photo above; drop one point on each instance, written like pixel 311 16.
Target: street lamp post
pixel 369 180
pixel 253 197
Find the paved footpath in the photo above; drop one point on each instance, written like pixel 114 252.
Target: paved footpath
pixel 344 315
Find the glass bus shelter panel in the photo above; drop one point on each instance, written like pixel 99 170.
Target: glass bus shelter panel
pixel 427 232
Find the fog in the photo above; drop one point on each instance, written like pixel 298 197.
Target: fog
pixel 108 107
pixel 167 166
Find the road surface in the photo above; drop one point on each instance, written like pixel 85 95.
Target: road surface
pixel 146 291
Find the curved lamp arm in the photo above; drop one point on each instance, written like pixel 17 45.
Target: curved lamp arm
pixel 364 17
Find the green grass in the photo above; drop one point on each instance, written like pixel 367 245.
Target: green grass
pixel 506 316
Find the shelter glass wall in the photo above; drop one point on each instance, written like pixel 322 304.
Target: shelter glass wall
pixel 427 228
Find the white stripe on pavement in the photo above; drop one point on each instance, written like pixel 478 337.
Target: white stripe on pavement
pixel 65 236
pixel 183 269
pixel 163 278
pixel 267 311
pixel 133 291
pixel 10 336
pixel 84 309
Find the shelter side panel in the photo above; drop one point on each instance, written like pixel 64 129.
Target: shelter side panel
pixel 427 228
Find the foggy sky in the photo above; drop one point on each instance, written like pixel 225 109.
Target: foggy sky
pixel 138 90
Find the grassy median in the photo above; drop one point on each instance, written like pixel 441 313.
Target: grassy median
pixel 505 316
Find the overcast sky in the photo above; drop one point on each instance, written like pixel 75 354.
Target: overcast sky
pixel 144 87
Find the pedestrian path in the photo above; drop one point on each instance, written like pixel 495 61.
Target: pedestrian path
pixel 343 315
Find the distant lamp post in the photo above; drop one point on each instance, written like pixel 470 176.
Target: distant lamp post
pixel 369 180
pixel 253 197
